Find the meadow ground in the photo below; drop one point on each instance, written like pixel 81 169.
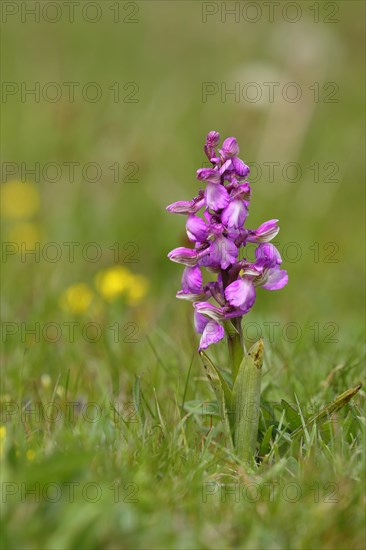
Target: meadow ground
pixel 108 435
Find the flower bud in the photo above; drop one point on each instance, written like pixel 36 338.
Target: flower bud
pixel 230 147
pixel 213 138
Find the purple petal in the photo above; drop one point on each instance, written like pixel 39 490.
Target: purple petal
pixel 223 252
pixel 276 278
pixel 200 322
pixel 238 235
pixel 197 229
pixel 234 215
pixel 209 174
pixel 265 232
pixel 192 280
pixel 205 308
pixel 240 168
pixel 241 293
pixel 212 333
pixel 209 263
pixel 216 196
pixel 190 296
pixel 267 255
pixel 210 218
pixel 185 207
pixel 184 256
pixel 242 191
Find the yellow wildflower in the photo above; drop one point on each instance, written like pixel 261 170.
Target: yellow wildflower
pixel 24 233
pixel 113 282
pixel 77 298
pixel 18 200
pixel 137 290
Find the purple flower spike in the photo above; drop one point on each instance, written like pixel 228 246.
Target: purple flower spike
pixel 218 237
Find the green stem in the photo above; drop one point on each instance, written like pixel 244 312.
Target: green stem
pixel 237 324
pixel 235 355
pixel 236 352
pixel 234 335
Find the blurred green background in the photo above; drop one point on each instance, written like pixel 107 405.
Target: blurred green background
pixel 169 53
pixel 151 61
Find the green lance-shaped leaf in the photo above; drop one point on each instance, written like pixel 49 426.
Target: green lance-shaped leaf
pixel 223 394
pixel 246 402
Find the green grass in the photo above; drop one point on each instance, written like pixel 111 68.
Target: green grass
pixel 151 470
pixel 161 476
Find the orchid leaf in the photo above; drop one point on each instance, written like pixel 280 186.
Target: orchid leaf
pixel 246 402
